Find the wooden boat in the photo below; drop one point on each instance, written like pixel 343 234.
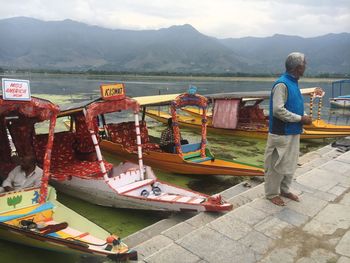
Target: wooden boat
pixel 33 216
pixel 190 159
pixel 340 101
pixel 127 185
pixel 309 130
pixel 250 120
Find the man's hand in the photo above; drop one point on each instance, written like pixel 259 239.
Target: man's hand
pixel 8 188
pixel 319 92
pixel 306 119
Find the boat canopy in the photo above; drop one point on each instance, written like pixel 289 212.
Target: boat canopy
pixel 166 99
pixel 38 109
pixel 249 95
pixel 157 100
pixel 337 87
pixel 184 100
pixel 98 106
pixel 86 113
pixel 19 118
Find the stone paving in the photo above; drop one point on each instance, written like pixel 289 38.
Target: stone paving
pixel 316 229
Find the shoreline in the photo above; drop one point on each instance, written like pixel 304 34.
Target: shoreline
pixel 168 77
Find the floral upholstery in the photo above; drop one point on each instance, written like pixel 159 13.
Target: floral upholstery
pixel 62 150
pixel 251 114
pixel 83 142
pixel 124 133
pixel 63 161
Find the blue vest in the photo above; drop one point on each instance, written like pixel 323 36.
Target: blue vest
pixel 294 103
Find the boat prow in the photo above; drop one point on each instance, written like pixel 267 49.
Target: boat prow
pixel 53 226
pixel 126 188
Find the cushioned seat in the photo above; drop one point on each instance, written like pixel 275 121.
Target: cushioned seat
pixel 63 161
pixel 124 133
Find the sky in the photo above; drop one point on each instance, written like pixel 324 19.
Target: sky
pixel 217 18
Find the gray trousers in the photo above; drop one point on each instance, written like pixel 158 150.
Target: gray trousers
pixel 281 159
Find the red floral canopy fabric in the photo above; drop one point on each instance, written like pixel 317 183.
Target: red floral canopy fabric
pixel 39 109
pixel 108 106
pixel 29 112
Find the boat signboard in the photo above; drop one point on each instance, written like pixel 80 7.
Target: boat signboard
pixel 16 89
pixel 112 91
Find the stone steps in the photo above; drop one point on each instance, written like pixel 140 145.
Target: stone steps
pixel 169 237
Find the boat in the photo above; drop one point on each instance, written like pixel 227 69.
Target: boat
pixel 33 216
pixel 195 158
pixel 246 118
pixel 341 101
pixel 87 176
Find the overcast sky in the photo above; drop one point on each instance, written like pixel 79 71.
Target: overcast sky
pixel 218 18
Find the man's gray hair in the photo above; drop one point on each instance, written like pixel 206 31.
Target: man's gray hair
pixel 293 60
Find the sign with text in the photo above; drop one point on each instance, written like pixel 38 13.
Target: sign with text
pixel 112 91
pixel 15 89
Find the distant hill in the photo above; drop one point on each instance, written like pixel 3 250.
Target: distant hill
pixel 69 45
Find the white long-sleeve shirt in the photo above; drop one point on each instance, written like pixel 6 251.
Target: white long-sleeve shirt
pixel 17 178
pixel 279 99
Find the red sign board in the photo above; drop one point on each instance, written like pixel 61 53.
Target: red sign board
pixel 15 89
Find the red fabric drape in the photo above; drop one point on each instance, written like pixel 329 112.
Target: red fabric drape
pixel 5 149
pixel 225 114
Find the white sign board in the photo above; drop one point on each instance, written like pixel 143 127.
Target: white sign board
pixel 15 89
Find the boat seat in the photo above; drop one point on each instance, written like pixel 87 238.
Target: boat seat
pixel 130 187
pixel 37 209
pixel 64 162
pixel 200 160
pixel 124 133
pixel 192 153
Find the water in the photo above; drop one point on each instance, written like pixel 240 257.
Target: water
pixel 64 88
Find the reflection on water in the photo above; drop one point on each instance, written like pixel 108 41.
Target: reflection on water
pixel 123 222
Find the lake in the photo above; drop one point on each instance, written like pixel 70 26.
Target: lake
pixel 123 222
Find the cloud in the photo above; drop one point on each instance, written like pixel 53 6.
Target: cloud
pixel 220 18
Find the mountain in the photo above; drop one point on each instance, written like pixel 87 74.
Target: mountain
pixel 329 53
pixel 71 45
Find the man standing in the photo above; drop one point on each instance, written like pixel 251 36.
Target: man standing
pixel 27 174
pixel 285 126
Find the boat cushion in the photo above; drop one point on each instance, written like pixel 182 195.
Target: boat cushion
pixel 190 147
pixel 124 133
pixel 251 114
pixel 62 150
pixel 64 163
